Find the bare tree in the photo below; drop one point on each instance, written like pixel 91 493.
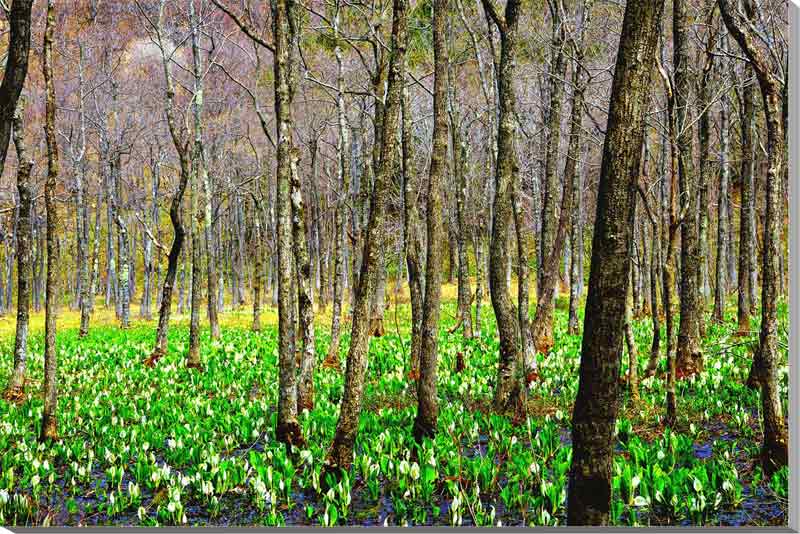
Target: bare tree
pixel 16 69
pixel 764 371
pixel 49 429
pixel 596 405
pixel 427 399
pixel 15 390
pixel 507 393
pixel 376 240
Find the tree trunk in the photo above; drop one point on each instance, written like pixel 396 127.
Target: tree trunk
pixel 340 211
pixel 508 389
pixel 460 170
pixel 689 350
pixel 721 289
pixel 575 258
pixel 745 304
pixel 375 244
pixel 543 320
pixel 258 267
pixel 198 220
pixel 122 245
pixel 305 297
pixel 16 69
pixel 427 396
pixel 528 350
pixel 415 238
pixel 181 147
pixel 774 453
pixel 196 250
pixel 49 429
pixel 558 68
pixel 284 34
pixel 15 390
pixel 597 401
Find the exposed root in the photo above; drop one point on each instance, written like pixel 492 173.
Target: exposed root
pixel 290 434
pixel 195 365
pixel 774 455
pixel 460 365
pixel 376 327
pixel 15 394
pixel 331 362
pixel 152 360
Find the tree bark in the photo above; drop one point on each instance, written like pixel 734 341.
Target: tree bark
pixel 427 396
pixel 16 70
pixel 375 244
pixel 15 390
pixel 630 346
pixel 597 402
pixel 689 349
pixel 415 238
pixel 49 430
pixel 774 453
pixel 508 389
pixel 285 34
pixel 305 297
pixel 746 306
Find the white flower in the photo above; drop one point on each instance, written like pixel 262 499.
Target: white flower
pixel 535 469
pixel 640 501
pixel 403 467
pixel 415 471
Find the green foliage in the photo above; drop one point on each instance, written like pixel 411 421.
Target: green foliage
pixel 168 445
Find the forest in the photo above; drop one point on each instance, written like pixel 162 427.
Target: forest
pixel 394 263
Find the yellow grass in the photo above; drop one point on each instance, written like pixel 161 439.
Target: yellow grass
pixel 242 317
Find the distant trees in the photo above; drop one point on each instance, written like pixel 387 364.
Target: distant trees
pixel 180 142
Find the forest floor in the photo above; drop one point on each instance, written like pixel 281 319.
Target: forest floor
pixel 166 445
